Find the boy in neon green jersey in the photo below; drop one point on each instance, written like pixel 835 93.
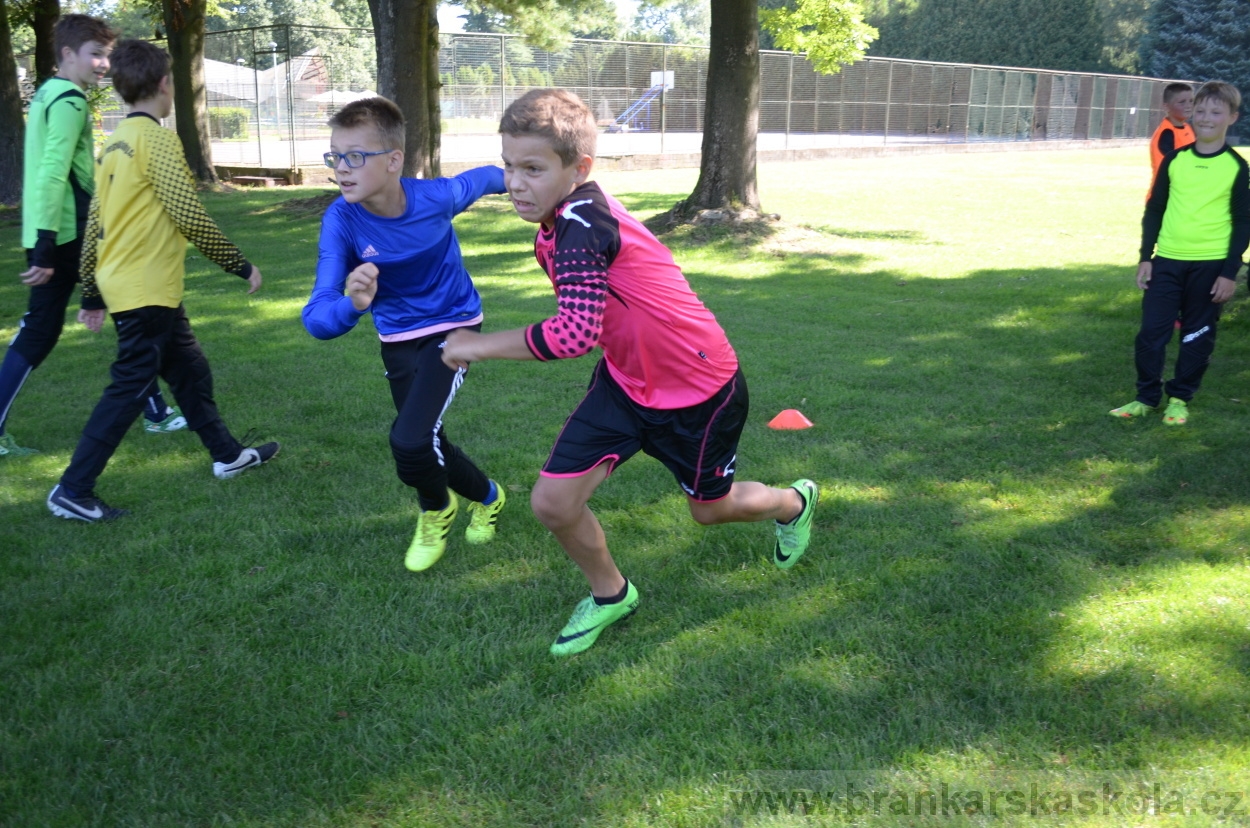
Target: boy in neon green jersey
pixel 1194 232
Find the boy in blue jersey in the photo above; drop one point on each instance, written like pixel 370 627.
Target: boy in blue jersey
pixel 388 248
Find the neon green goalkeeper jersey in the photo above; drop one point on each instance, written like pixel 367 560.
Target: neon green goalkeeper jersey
pixel 59 176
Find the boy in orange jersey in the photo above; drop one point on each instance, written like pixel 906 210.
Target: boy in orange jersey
pixel 1174 132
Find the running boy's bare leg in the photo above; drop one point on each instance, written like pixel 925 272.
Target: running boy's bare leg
pixel 748 502
pixel 559 503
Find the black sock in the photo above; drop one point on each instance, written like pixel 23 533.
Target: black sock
pixel 799 515
pixel 615 599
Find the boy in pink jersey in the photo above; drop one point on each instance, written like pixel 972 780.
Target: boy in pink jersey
pixel 668 383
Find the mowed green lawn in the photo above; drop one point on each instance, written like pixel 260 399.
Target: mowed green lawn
pixel 1003 580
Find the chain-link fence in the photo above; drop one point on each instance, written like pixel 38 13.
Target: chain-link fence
pixel 271 90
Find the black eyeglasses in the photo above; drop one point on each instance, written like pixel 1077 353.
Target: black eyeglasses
pixel 354 159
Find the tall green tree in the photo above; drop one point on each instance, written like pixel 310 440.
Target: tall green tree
pixel 831 31
pixel 687 22
pixel 37 17
pixel 406 38
pixel 43 17
pixel 1043 34
pixel 12 124
pixel 732 112
pixel 1200 40
pixel 405 34
pixel 545 24
pixel 1123 26
pixel 184 30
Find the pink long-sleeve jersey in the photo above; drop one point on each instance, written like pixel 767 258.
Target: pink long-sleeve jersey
pixel 618 287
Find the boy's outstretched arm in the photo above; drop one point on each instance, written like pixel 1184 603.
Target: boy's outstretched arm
pixel 472 184
pixel 463 347
pixel 582 297
pixel 174 186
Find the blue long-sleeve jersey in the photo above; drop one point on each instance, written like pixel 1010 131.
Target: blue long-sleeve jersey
pixel 422 282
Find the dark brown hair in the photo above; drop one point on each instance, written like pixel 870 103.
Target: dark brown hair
pixel 73 30
pixel 138 67
pixel 557 115
pixel 1173 89
pixel 379 113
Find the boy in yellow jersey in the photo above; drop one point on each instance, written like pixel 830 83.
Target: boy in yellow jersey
pixel 1174 132
pixel 1194 232
pixel 144 210
pixel 57 183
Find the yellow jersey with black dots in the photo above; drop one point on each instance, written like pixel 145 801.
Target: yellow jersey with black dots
pixel 143 212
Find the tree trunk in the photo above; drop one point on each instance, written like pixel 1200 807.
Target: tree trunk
pixel 43 18
pixel 405 34
pixel 184 27
pixel 12 123
pixel 731 116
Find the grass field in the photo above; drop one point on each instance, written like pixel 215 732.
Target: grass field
pixel 1004 582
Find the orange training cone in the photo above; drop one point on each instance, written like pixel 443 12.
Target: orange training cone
pixel 790 420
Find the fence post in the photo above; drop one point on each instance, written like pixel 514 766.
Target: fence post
pixel 290 94
pixel 260 150
pixel 972 73
pixel 503 65
pixel 663 92
pixel 789 98
pixel 889 96
pixel 815 103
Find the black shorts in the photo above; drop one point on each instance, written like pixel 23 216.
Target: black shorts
pixel 699 444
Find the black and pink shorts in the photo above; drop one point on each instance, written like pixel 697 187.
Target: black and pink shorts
pixel 698 444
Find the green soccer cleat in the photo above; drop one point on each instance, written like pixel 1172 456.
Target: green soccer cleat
pixel 9 448
pixel 482 518
pixel 793 537
pixel 430 542
pixel 589 619
pixel 1133 409
pixel 1177 412
pixel 174 421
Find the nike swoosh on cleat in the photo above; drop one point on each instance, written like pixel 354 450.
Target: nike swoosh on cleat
pixel 777 554
pixel 566 639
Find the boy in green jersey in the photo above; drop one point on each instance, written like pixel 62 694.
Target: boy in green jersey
pixel 58 180
pixel 1194 232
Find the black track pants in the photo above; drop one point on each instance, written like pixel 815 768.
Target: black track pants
pixel 1176 290
pixel 152 341
pixel 423 389
pixel 45 314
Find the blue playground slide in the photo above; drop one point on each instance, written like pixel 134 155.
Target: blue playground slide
pixel 637 116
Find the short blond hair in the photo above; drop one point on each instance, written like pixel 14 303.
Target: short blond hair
pixel 557 115
pixel 381 114
pixel 1220 90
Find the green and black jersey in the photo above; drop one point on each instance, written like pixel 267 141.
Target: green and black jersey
pixel 58 178
pixel 1199 209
